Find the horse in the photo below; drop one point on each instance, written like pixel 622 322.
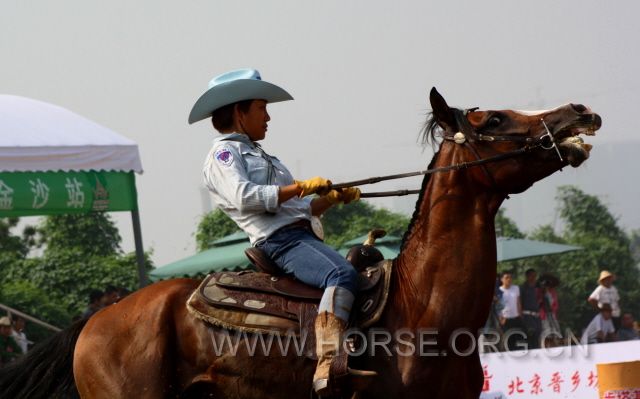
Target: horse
pixel 149 346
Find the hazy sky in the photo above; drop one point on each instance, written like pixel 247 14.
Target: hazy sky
pixel 360 72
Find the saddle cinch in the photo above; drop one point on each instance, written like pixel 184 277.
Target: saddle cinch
pixel 270 302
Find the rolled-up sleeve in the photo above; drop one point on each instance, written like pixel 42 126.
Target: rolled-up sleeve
pixel 226 174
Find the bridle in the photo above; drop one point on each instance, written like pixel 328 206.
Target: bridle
pixel 466 136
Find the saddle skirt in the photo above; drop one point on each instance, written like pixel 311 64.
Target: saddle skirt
pixel 256 302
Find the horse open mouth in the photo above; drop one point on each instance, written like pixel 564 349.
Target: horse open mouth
pixel 572 146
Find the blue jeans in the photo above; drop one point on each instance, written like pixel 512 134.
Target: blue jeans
pixel 297 251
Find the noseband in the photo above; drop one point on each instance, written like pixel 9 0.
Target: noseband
pixel 466 136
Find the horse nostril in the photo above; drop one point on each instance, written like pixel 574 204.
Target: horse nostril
pixel 579 108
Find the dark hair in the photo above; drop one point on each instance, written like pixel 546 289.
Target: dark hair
pixel 529 271
pixel 95 295
pixel 505 273
pixel 110 289
pixel 222 118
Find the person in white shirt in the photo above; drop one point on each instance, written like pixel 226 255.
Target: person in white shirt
pixel 601 327
pixel 607 293
pixel 511 313
pixel 18 334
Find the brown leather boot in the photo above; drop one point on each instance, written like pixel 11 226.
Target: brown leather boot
pixel 329 329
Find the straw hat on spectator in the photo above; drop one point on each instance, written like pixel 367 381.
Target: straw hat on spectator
pixel 5 321
pixel 605 274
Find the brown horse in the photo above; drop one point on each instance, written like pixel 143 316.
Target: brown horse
pixel 149 346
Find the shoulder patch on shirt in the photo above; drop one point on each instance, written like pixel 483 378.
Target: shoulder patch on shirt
pixel 224 156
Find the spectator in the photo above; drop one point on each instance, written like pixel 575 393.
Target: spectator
pixel 110 296
pixel 549 310
pixel 511 314
pixel 531 299
pixel 601 327
pixel 95 303
pixel 9 349
pixel 18 334
pixel 627 332
pixel 606 293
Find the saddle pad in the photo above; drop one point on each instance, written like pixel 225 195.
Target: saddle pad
pixel 239 308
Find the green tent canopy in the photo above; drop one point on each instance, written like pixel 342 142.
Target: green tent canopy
pixel 515 248
pixel 508 249
pixel 227 253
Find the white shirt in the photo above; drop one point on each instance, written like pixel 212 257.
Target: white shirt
pixel 609 295
pixel 244 182
pixel 510 299
pixel 21 340
pixel 597 324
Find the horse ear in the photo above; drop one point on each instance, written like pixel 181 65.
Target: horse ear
pixel 441 111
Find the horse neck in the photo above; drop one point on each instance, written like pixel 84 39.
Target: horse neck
pixel 446 269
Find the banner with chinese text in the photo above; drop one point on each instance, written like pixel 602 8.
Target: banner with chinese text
pixel 568 372
pixel 46 193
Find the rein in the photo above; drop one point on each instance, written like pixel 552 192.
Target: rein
pixel 465 136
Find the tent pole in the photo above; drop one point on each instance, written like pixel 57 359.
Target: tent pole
pixel 137 236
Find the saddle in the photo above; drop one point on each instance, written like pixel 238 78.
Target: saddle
pixel 270 302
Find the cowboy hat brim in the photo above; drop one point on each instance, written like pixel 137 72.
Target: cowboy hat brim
pixel 234 91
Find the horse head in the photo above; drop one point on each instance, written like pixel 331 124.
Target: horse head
pixel 514 148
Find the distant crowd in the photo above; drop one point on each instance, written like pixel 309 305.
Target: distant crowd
pixel 13 338
pixel 100 299
pixel 529 312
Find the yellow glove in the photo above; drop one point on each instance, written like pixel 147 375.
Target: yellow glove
pixel 350 194
pixel 344 195
pixel 314 185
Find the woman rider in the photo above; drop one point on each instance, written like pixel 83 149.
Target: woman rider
pixel 259 193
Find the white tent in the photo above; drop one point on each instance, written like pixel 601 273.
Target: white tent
pixel 37 136
pixel 53 161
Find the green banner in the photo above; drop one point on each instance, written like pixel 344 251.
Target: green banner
pixel 46 193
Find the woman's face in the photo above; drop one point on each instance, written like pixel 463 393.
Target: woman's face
pixel 506 280
pixel 254 122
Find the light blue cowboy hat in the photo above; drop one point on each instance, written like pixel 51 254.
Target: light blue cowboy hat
pixel 234 86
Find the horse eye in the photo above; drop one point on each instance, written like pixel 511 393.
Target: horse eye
pixel 494 121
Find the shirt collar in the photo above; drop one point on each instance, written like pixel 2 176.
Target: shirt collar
pixel 235 137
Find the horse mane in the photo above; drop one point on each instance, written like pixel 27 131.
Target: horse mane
pixel 428 135
pixel 430 132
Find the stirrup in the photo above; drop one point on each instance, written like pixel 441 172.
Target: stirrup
pixel 358 380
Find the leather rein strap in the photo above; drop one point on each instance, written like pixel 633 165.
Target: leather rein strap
pixel 466 136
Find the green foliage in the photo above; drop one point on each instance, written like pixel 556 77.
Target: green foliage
pixel 33 300
pixel 94 233
pixel 82 254
pixel 341 223
pixel 588 224
pixel 346 222
pixel 214 225
pixel 11 244
pixel 69 275
pixel 635 246
pixel 506 227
